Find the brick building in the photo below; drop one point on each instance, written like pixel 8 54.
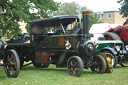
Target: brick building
pixel 113 17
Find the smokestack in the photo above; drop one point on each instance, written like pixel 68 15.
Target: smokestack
pixel 86 25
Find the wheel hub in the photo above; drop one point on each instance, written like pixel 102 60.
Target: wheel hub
pixel 109 59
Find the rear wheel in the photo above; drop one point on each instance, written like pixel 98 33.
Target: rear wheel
pixel 75 66
pixel 12 63
pixel 111 59
pixel 99 64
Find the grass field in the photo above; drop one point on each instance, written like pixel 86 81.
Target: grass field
pixel 30 75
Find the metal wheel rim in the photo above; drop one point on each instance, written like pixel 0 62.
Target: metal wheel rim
pixel 10 66
pixel 109 59
pixel 125 62
pixel 73 67
pixel 98 67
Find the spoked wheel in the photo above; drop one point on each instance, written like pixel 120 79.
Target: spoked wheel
pixel 75 66
pixel 99 64
pixel 111 59
pixel 12 63
pixel 125 62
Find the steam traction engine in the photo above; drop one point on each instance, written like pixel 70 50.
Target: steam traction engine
pixel 65 45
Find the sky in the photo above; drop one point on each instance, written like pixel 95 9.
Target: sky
pixel 96 5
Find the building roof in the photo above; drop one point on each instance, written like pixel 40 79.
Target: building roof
pixel 110 11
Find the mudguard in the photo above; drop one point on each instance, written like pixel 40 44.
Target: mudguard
pixel 109 49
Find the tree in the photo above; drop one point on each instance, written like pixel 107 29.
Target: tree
pixel 93 18
pixel 69 8
pixel 21 10
pixel 124 7
pixel 73 8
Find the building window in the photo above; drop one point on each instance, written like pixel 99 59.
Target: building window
pixel 109 16
pixel 101 16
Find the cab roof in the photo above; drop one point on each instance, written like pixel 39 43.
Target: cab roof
pixel 55 21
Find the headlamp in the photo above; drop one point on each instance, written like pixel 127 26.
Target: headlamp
pixel 126 47
pixel 118 48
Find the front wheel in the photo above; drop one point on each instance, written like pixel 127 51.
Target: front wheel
pixel 124 62
pixel 12 63
pixel 99 64
pixel 75 66
pixel 111 59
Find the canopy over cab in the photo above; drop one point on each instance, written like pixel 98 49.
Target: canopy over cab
pixel 53 26
pixel 55 21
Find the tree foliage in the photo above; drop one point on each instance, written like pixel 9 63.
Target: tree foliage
pixel 69 8
pixel 74 8
pixel 124 7
pixel 19 10
pixel 93 18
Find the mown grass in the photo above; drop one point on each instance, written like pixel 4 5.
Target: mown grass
pixel 30 75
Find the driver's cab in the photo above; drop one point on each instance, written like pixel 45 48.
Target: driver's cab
pixel 57 26
pixel 39 32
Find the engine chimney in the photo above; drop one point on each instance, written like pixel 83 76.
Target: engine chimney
pixel 86 47
pixel 86 25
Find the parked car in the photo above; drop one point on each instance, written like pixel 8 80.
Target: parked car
pixel 114 49
pixel 8 58
pixel 60 41
pixel 122 33
pixel 102 27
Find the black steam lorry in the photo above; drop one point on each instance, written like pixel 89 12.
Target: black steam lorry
pixel 8 58
pixel 60 41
